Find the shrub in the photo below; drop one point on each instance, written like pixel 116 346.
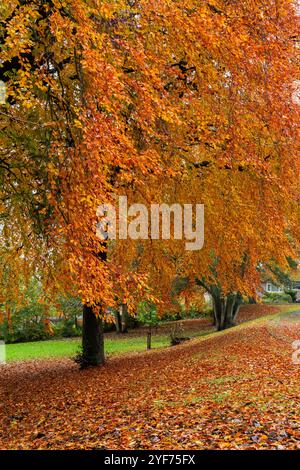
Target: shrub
pixel 23 328
pixel 293 295
pixel 194 312
pixel 70 329
pixel 28 322
pixel 277 298
pixel 147 314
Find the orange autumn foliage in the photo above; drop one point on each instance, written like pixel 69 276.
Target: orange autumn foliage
pixel 163 101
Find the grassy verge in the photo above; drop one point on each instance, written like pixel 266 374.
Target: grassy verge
pixel 69 347
pixel 57 348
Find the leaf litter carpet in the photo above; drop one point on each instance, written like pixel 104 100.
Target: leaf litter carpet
pixel 234 390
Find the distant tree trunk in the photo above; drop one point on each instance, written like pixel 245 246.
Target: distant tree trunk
pixel 218 307
pixel 92 339
pixel 118 322
pixel 236 307
pixel 213 315
pixel 225 307
pixel 8 316
pixel 124 318
pixel 226 310
pixel 229 310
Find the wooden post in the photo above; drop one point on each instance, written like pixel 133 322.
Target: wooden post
pixel 149 339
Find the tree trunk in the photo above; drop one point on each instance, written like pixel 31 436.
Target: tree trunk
pixel 8 316
pixel 216 310
pixel 92 339
pixel 226 310
pixel 118 322
pixel 236 307
pixel 219 313
pixel 229 308
pixel 124 318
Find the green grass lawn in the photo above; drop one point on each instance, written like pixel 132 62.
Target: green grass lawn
pixel 69 347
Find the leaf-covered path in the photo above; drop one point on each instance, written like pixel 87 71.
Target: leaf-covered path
pixel 234 390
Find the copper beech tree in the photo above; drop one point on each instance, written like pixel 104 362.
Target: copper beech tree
pixel 162 101
pixel 239 155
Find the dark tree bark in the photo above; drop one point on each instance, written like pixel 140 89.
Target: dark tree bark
pixel 236 307
pixel 218 306
pixel 225 308
pixel 228 312
pixel 229 309
pixel 124 318
pixel 92 339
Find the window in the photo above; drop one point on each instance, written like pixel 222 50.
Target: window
pixel 272 288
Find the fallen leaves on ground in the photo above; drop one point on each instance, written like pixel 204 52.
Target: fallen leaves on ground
pixel 235 390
